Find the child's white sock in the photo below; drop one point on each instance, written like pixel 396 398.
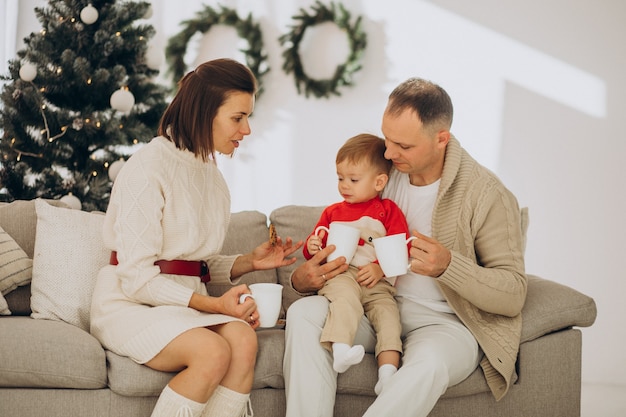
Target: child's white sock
pixel 385 372
pixel 345 356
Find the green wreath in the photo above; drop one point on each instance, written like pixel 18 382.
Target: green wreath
pixel 344 72
pixel 256 58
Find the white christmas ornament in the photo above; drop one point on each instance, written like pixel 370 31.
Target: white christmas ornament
pixel 89 15
pixel 72 201
pixel 154 57
pixel 115 168
pixel 28 71
pixel 122 100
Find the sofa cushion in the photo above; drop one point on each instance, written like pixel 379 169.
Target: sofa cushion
pixel 4 307
pixel 49 354
pixel 15 268
pixel 131 379
pixel 69 252
pixel 551 306
pixel 296 222
pixel 18 219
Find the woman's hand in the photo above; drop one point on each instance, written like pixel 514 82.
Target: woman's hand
pixel 228 304
pixel 266 256
pixel 313 274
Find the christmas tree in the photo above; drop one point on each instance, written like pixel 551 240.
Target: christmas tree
pixel 77 100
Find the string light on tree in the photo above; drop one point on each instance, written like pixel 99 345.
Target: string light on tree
pixel 122 100
pixel 89 14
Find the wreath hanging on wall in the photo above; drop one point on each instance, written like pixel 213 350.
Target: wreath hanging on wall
pixel 256 58
pixel 357 39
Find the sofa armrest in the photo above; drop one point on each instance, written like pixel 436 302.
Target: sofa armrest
pixel 551 306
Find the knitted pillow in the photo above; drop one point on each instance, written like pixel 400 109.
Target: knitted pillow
pixel 15 268
pixel 69 252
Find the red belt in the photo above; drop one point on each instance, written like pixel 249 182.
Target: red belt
pixel 178 267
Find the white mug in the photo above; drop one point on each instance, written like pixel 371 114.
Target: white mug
pixel 344 237
pixel 393 254
pixel 268 298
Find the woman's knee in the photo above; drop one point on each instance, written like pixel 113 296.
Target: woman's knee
pixel 242 340
pixel 245 343
pixel 212 355
pixel 199 351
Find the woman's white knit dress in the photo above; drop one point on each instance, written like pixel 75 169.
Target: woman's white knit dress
pixel 165 204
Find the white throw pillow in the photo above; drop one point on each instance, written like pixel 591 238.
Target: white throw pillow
pixel 15 268
pixel 69 252
pixel 4 307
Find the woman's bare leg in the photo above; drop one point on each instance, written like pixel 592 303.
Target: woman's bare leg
pixel 243 347
pixel 201 357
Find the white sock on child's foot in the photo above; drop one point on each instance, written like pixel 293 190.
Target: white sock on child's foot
pixel 345 356
pixel 385 372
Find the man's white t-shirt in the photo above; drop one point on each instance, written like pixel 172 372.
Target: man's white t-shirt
pixel 417 204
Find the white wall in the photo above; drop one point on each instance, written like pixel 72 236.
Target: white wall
pixel 538 88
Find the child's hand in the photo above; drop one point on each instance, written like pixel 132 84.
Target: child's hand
pixel 369 275
pixel 314 244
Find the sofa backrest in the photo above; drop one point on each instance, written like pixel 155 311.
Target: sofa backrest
pixel 246 231
pixel 296 222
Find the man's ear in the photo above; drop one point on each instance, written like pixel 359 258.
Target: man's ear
pixel 443 137
pixel 381 181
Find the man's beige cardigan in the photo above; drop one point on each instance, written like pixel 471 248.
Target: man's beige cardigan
pixel 478 219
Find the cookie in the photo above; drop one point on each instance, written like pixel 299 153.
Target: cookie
pixel 273 235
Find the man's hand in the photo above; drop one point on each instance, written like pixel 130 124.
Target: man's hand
pixel 428 256
pixel 312 274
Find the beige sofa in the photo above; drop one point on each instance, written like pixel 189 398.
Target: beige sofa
pixel 50 368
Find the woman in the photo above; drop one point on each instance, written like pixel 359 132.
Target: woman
pixel 166 222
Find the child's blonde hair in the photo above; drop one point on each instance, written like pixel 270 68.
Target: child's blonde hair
pixel 365 148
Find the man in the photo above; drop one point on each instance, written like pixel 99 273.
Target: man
pixel 460 303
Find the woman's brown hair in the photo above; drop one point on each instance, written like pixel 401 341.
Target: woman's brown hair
pixel 188 120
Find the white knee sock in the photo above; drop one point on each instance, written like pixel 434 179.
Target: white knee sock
pixel 385 372
pixel 228 403
pixel 344 356
pixel 172 404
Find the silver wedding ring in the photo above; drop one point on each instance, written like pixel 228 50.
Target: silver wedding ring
pixel 324 277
